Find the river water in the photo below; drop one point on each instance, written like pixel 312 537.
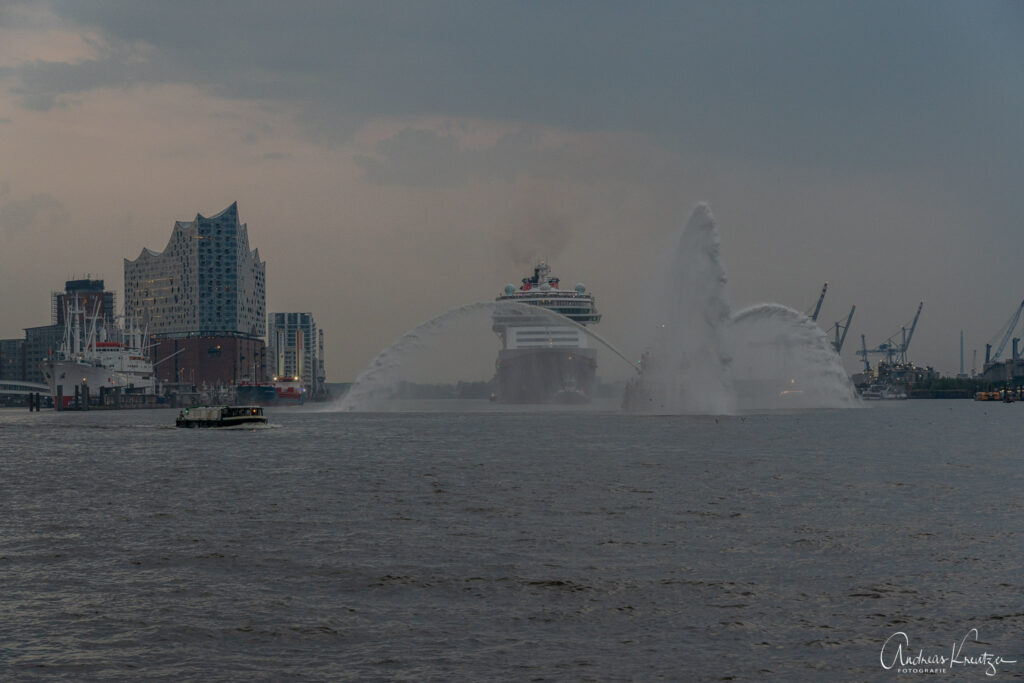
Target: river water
pixel 511 545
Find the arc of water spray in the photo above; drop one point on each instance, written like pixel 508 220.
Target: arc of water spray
pixel 816 367
pixel 363 388
pixel 562 320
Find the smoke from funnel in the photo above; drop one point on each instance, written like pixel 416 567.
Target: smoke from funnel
pixel 535 234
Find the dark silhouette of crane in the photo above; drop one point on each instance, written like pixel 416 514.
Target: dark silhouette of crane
pixel 840 340
pixel 1009 327
pixel 817 307
pixel 840 328
pixel 895 352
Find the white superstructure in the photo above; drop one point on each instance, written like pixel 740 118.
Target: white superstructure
pixel 545 358
pixel 91 357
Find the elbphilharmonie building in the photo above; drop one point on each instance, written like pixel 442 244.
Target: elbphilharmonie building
pixel 205 281
pixel 203 302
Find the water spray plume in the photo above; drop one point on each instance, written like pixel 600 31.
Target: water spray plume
pixel 702 360
pixel 699 359
pixel 686 367
pixel 374 387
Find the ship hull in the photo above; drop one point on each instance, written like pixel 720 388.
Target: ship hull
pixel 269 395
pixel 64 377
pixel 546 375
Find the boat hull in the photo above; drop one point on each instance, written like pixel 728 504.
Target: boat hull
pixel 539 375
pixel 221 424
pixel 269 395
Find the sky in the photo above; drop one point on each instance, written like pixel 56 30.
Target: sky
pixel 394 160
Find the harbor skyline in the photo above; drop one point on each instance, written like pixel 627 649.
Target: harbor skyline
pixel 397 162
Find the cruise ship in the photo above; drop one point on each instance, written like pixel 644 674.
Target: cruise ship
pixel 544 359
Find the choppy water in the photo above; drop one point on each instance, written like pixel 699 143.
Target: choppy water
pixel 509 546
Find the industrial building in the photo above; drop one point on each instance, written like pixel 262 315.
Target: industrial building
pixel 1001 370
pixel 208 361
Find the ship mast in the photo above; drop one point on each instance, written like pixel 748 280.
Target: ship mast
pixel 76 330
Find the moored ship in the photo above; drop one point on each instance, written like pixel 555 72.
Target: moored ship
pixel 90 360
pixel 545 359
pixel 284 391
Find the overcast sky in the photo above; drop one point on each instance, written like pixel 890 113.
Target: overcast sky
pixel 396 159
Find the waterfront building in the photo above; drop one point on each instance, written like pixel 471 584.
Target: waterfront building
pixel 203 300
pixel 12 359
pixel 297 350
pixel 205 281
pixel 208 360
pixel 41 342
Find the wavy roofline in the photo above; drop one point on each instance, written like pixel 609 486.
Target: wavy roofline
pixel 148 253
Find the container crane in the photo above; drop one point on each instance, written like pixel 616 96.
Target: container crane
pixel 893 350
pixel 1010 326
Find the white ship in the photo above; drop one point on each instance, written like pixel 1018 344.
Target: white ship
pixel 90 359
pixel 541 360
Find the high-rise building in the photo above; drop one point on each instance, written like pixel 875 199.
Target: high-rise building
pixel 297 349
pixel 92 299
pixel 204 300
pixel 205 281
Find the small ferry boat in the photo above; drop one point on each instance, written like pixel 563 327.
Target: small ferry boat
pixel 221 416
pixel 988 396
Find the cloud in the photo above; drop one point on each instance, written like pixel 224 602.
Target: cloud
pixel 38 211
pixel 537 230
pixel 427 158
pixel 864 83
pixel 42 85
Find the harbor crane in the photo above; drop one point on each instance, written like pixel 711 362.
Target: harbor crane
pixel 1010 326
pixel 864 352
pixel 817 307
pixel 893 350
pixel 840 340
pixel 838 326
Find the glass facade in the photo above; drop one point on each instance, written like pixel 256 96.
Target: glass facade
pixel 297 349
pixel 206 281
